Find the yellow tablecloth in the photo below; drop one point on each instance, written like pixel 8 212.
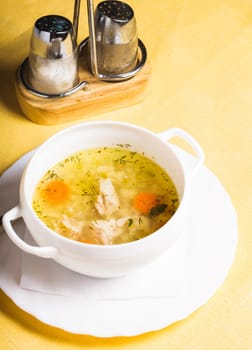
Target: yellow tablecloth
pixel 201 57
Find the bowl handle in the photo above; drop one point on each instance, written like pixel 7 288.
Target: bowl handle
pixel 176 132
pixel 13 214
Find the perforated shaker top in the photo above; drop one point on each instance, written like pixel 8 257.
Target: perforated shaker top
pixel 116 10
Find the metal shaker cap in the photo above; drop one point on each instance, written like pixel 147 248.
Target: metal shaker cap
pixel 114 23
pixel 53 37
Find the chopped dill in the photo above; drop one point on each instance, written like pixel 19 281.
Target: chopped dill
pixel 123 145
pixel 52 175
pixel 174 201
pixel 122 160
pixel 73 158
pixel 165 177
pixel 130 222
pixel 90 192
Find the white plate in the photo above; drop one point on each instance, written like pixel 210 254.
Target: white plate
pixel 212 231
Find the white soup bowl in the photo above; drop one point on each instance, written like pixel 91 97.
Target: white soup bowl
pixel 103 260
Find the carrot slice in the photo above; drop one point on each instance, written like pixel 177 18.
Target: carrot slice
pixel 88 241
pixel 144 201
pixel 56 192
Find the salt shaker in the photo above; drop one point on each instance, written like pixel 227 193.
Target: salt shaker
pixel 53 56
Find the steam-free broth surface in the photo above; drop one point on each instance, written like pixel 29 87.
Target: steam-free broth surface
pixel 105 196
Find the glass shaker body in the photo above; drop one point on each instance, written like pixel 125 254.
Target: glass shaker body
pixel 53 57
pixel 116 37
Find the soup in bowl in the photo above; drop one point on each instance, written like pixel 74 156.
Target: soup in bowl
pixel 104 198
pixel 105 195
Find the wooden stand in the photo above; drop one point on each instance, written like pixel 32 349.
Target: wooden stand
pixel 98 97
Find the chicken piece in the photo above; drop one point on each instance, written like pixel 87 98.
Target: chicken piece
pixel 107 230
pixel 107 201
pixel 71 226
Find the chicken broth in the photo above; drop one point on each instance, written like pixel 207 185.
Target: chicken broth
pixel 105 196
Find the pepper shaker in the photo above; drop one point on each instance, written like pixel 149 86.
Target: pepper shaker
pixel 116 37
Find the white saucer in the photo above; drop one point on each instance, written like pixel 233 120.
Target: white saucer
pixel 212 231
